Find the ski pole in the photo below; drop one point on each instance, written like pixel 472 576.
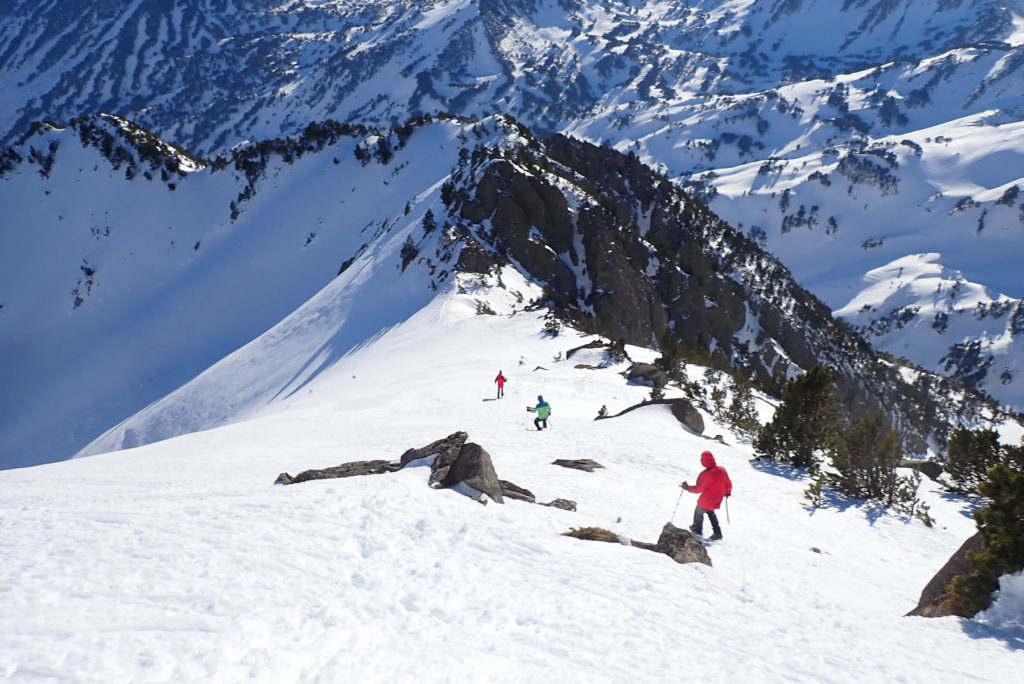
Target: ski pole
pixel 726 509
pixel 681 490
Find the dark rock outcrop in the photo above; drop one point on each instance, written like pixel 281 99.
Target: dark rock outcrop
pixel 682 409
pixel 596 344
pixel 686 414
pixel 344 470
pixel 685 279
pixel 452 461
pixel 578 464
pixel 681 546
pixel 474 468
pixel 513 491
pixel 930 469
pixel 475 259
pixel 592 534
pixel 936 598
pixel 647 374
pixel 678 544
pixel 446 450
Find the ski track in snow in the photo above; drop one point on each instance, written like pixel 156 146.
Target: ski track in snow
pixel 181 561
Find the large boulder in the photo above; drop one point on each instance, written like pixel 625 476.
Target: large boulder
pixel 647 374
pixel 937 597
pixel 686 414
pixel 453 461
pixel 445 449
pixel 681 546
pixel 440 455
pixel 474 468
pixel 931 469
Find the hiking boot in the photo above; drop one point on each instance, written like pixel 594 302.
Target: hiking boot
pixel 715 537
pixel 695 531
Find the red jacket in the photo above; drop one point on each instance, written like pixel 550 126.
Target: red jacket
pixel 500 380
pixel 713 484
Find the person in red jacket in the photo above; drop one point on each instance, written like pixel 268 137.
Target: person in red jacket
pixel 501 379
pixel 713 484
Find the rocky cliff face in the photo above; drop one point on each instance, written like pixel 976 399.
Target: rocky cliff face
pixel 624 251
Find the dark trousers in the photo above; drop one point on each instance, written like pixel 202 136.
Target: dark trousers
pixel 698 521
pixel 501 391
pixel 538 420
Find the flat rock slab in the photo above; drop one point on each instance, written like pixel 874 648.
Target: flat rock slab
pixel 511 490
pixel 344 470
pixel 578 464
pixel 564 504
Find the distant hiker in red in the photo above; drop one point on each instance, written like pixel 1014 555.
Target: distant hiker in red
pixel 713 484
pixel 501 379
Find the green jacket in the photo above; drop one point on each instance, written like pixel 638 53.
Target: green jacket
pixel 543 410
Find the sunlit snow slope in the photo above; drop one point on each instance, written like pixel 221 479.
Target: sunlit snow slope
pixel 182 561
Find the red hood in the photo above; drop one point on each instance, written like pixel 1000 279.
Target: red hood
pixel 707 460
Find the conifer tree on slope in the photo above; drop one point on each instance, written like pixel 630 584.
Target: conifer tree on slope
pixel 969 456
pixel 866 458
pixel 805 423
pixel 1001 524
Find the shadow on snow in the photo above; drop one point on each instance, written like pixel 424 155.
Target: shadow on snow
pixel 1011 636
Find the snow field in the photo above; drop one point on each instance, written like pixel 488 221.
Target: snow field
pixel 181 561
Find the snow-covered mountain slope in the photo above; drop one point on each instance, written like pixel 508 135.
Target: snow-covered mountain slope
pixel 116 290
pixel 846 136
pixel 208 73
pixel 949 196
pixel 181 561
pixel 184 266
pixel 205 259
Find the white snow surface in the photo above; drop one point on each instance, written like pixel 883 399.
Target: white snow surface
pixel 182 561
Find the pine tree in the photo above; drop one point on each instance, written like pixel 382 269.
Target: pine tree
pixel 741 414
pixel 866 458
pixel 408 252
pixel 429 224
pixel 1002 531
pixel 805 423
pixel 969 455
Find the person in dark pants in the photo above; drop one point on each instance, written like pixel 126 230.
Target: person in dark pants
pixel 501 380
pixel 713 484
pixel 543 410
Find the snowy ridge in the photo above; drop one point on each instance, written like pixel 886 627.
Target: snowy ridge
pixel 915 104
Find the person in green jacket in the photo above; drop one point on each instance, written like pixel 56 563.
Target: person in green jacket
pixel 543 410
